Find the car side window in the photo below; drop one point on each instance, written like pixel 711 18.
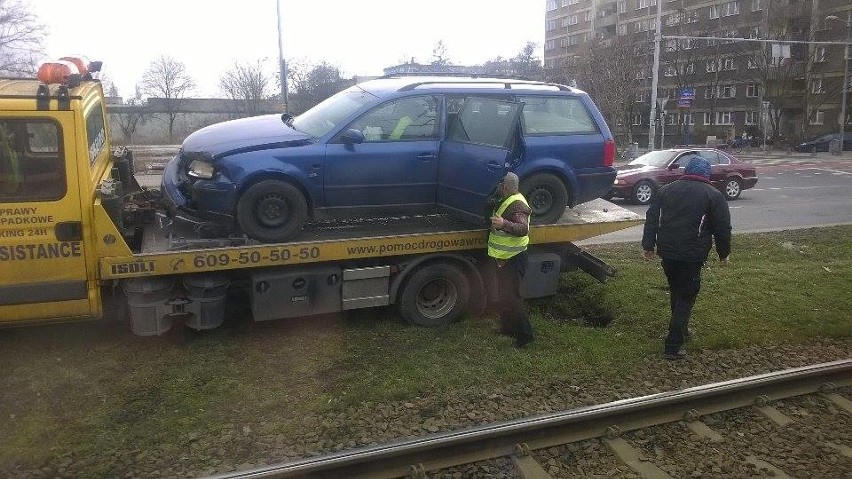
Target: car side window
pixel 483 120
pixel 711 156
pixel 405 119
pixel 556 115
pixel 684 159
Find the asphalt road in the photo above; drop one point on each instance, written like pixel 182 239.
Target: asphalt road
pixel 789 194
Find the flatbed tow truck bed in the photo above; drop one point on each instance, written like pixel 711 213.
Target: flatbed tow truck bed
pixel 173 250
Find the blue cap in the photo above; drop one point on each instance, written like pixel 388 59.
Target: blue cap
pixel 698 166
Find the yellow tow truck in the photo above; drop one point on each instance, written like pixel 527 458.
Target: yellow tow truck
pixel 78 232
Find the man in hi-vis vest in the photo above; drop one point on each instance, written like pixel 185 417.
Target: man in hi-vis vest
pixel 507 243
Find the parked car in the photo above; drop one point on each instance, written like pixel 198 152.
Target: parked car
pixel 395 145
pixel 639 180
pixel 822 143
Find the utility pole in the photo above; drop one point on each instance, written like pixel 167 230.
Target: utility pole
pixel 282 65
pixel 655 73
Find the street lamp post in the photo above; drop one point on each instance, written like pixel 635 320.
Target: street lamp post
pixel 282 64
pixel 845 76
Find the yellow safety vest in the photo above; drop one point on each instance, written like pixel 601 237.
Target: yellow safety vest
pixel 502 245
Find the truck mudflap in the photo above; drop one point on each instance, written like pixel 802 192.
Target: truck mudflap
pixel 577 258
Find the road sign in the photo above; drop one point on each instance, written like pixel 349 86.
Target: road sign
pixel 685 97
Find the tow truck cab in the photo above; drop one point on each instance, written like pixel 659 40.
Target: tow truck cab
pixel 53 153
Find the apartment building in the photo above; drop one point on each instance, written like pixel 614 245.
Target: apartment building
pixel 738 86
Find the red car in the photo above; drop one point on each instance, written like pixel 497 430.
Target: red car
pixel 639 180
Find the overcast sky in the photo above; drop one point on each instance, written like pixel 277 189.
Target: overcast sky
pixel 361 38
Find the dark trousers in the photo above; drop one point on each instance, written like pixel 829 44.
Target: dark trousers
pixel 684 279
pixel 514 320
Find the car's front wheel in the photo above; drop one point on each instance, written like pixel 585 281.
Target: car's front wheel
pixel 643 192
pixel 546 195
pixel 733 188
pixel 272 211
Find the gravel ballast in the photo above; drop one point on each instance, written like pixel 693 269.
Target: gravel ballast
pixel 244 446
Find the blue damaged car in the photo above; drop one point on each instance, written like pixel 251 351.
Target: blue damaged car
pixel 395 145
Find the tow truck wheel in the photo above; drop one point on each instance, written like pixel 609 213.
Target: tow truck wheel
pixel 272 211
pixel 435 295
pixel 546 195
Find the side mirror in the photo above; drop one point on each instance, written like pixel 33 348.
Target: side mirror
pixel 287 118
pixel 352 136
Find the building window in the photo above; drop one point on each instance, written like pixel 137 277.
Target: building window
pixel 816 86
pixel 752 90
pixel 755 5
pixel 637 119
pixel 692 17
pixel 752 64
pixel 714 12
pixel 730 8
pixel 573 20
pixel 751 118
pixel 550 45
pixel 690 68
pixel 820 54
pixel 572 2
pixel 588 15
pixel 672 118
pixel 622 30
pixel 727 91
pixel 688 119
pixel 672 20
pixel 708 93
pixel 707 118
pixel 754 32
pixel 817 117
pixel 551 5
pixel 640 96
pixel 728 64
pixel 622 6
pixel 644 3
pixel 712 66
pixel 670 71
pixel 724 118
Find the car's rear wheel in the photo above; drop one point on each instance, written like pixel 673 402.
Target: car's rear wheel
pixel 733 188
pixel 643 192
pixel 546 195
pixel 272 211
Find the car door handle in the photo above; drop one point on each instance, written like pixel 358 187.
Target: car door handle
pixel 493 165
pixel 427 156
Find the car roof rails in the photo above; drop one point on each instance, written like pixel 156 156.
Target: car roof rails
pixel 482 80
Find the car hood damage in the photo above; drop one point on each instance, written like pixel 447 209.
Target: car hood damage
pixel 239 136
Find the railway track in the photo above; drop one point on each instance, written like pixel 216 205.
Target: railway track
pixel 530 447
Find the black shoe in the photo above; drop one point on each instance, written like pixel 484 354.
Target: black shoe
pixel 680 354
pixel 523 341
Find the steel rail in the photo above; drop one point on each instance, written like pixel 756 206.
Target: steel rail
pixel 405 457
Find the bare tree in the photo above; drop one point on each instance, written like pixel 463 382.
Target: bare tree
pixel 312 83
pixel 527 64
pixel 608 73
pixel 130 118
pixel 166 79
pixel 21 39
pixel 439 54
pixel 247 83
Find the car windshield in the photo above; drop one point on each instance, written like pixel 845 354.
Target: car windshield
pixel 320 119
pixel 653 158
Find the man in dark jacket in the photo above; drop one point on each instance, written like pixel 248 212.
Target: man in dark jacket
pixel 679 223
pixel 507 244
